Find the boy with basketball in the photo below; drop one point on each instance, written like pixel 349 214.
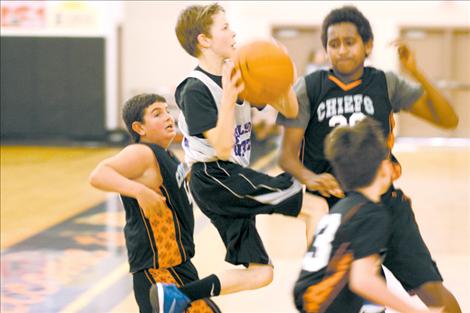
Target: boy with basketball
pixel 159 214
pixel 216 128
pixel 343 264
pixel 344 95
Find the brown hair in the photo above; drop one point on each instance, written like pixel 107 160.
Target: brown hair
pixel 134 110
pixel 193 21
pixel 356 153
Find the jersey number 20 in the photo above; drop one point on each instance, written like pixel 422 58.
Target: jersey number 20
pixel 340 120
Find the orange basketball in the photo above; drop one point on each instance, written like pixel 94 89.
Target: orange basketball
pixel 267 71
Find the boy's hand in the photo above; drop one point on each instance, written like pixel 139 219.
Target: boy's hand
pixel 326 184
pixel 407 58
pixel 232 83
pixel 151 202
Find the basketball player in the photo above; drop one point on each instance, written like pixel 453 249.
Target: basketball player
pixel 216 128
pixel 159 214
pixel 343 265
pixel 346 93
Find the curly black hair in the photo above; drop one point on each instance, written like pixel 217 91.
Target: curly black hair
pixel 348 14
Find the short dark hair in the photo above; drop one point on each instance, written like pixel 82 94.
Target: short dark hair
pixel 134 109
pixel 193 21
pixel 355 153
pixel 347 14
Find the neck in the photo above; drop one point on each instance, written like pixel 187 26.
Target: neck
pixel 372 192
pixel 347 78
pixel 211 63
pixel 164 146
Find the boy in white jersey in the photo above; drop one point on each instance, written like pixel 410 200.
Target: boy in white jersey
pixel 217 128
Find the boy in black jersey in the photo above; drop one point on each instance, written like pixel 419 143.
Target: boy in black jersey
pixel 216 128
pixel 345 94
pixel 159 214
pixel 343 264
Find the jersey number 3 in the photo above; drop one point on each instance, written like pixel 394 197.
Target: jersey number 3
pixel 318 258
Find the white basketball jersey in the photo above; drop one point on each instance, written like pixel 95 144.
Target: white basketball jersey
pixel 199 150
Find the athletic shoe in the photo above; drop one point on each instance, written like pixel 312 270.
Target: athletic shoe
pixel 167 298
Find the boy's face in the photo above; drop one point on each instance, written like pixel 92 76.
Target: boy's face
pixel 346 50
pixel 158 125
pixel 221 36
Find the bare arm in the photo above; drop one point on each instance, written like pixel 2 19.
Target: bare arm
pixel 132 172
pixel 287 104
pixel 432 106
pixel 221 137
pixel 365 281
pixel 289 161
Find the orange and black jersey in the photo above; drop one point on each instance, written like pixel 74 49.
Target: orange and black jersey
pixel 355 228
pixel 161 240
pixel 325 102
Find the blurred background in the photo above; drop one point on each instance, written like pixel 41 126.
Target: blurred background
pixel 67 67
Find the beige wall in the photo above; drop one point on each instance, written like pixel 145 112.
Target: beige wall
pixel 154 61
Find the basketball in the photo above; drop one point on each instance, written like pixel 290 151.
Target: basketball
pixel 266 69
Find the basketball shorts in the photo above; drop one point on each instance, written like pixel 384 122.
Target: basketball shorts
pixel 408 257
pixel 178 275
pixel 232 195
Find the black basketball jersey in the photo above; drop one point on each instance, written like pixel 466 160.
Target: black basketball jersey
pixel 164 240
pixel 355 228
pixel 334 103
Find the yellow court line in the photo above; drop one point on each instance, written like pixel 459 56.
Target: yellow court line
pixel 84 299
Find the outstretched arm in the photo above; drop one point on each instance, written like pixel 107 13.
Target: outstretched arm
pixel 289 161
pixel 432 105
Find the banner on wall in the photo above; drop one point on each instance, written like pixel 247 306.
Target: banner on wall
pixel 73 14
pixel 23 14
pixel 49 14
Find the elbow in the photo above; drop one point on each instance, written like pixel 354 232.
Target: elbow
pixel 356 284
pixel 94 178
pixel 451 123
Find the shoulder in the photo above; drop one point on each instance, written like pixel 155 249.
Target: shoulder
pixel 391 77
pixel 318 75
pixel 194 85
pixel 189 88
pixel 139 151
pixel 373 213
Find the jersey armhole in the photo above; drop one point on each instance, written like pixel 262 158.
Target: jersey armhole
pixel 313 85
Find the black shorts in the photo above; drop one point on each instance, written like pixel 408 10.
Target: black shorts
pixel 178 275
pixel 408 257
pixel 232 195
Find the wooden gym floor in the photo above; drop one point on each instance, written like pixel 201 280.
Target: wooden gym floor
pixel 62 247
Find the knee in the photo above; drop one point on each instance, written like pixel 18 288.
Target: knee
pixel 435 294
pixel 262 275
pixel 313 207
